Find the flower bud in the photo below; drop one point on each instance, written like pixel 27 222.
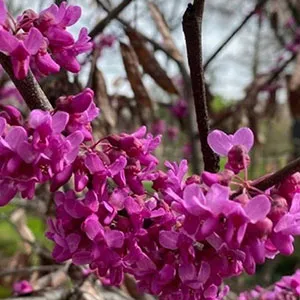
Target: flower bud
pixel 243 199
pixel 289 187
pixel 193 179
pixel 238 159
pixel 261 228
pixel 26 20
pixel 223 177
pixel 278 209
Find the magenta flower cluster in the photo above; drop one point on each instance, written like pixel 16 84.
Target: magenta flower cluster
pixel 44 147
pixel 288 287
pixel 182 237
pixel 179 236
pixel 42 40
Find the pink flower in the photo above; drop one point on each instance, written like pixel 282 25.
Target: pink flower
pixel 180 109
pixel 22 288
pixel 222 143
pixel 20 50
pixel 158 127
pixel 235 147
pixel 172 132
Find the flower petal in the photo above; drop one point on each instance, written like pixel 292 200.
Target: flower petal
pixel 257 208
pixel 59 121
pixel 295 207
pixel 220 142
pixel 114 238
pixel 2 125
pixel 194 200
pixel 8 42
pixel 33 41
pixel 244 136
pixel 168 239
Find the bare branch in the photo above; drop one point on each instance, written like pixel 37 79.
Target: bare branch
pixel 234 108
pixel 234 32
pixel 28 87
pixel 192 27
pixel 278 176
pixel 268 181
pixel 111 15
pixel 57 294
pixel 29 270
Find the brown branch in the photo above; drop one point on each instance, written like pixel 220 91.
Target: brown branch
pixel 233 109
pixel 192 21
pixel 28 87
pixel 29 270
pixel 57 294
pixel 111 15
pixel 268 181
pixel 234 32
pixel 278 176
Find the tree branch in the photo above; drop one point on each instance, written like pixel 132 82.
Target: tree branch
pixel 28 87
pixel 234 32
pixel 111 15
pixel 278 176
pixel 29 270
pixel 268 181
pixel 192 23
pixel 234 108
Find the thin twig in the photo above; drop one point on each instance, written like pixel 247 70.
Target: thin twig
pixel 234 32
pixel 57 294
pixel 112 15
pixel 234 108
pixel 28 87
pixel 192 21
pixel 269 181
pixel 29 270
pixel 278 176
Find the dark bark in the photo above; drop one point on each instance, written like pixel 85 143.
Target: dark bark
pixel 111 15
pixel 28 87
pixel 192 21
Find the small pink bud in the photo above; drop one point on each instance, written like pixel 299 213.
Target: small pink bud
pixel 261 228
pixel 209 178
pixel 22 287
pixel 223 177
pixel 26 20
pixel 238 159
pixel 278 209
pixel 193 179
pixel 289 187
pixel 243 199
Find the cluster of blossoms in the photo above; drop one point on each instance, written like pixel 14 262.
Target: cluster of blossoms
pixel 43 147
pixel 288 287
pixel 161 127
pixel 179 236
pixel 41 40
pixel 179 109
pixel 22 287
pixel 104 41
